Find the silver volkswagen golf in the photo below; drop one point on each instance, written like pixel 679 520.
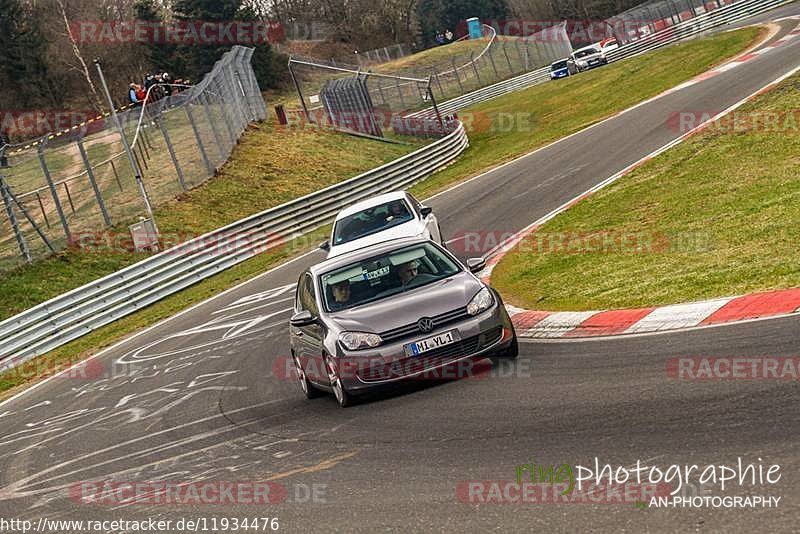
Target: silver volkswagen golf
pixel 392 311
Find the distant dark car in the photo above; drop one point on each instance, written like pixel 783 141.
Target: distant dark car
pixel 389 312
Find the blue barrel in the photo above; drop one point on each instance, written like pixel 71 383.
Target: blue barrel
pixel 474 27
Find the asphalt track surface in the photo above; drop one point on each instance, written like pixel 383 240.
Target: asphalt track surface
pixel 206 395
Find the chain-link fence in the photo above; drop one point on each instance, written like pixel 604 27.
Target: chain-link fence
pixel 650 17
pixel 68 189
pixel 398 88
pixel 383 55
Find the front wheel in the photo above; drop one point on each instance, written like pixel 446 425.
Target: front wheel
pixel 509 353
pixel 342 396
pixel 305 385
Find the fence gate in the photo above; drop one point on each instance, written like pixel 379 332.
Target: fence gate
pixel 348 105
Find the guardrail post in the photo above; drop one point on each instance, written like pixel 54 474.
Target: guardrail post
pixel 171 151
pixel 90 175
pixel 199 139
pixel 12 219
pixel 53 193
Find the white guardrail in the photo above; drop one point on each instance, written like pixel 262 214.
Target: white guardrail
pixel 82 310
pixel 693 27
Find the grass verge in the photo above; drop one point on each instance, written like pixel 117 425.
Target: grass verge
pixel 715 216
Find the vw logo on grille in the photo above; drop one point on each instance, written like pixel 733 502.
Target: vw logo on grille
pixel 425 324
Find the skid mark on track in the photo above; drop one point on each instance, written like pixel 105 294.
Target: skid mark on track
pixel 324 465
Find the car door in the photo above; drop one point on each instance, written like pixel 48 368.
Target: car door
pixel 430 223
pixel 309 338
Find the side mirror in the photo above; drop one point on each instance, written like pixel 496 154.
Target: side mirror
pixel 476 265
pixel 325 245
pixel 425 211
pixel 303 318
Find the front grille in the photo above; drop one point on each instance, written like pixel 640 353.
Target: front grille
pixel 429 360
pixel 412 329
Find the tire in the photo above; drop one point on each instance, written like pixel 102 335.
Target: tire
pixel 509 353
pixel 343 398
pixel 306 386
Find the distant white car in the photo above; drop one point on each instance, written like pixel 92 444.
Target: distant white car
pixel 381 218
pixel 588 57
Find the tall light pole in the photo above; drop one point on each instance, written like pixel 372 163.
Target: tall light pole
pixel 136 171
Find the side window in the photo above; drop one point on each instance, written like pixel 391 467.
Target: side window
pixel 306 294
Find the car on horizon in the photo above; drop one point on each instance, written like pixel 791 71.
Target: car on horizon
pixel 608 44
pixel 381 218
pixel 562 68
pixel 391 312
pixel 588 57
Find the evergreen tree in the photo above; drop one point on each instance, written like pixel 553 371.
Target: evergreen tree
pixel 196 60
pixel 23 69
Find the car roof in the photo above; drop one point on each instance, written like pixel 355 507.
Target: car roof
pixel 560 60
pixel 370 202
pixel 585 48
pixel 364 253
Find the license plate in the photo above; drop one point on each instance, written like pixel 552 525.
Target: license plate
pixel 430 343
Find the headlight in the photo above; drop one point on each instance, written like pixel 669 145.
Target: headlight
pixel 359 340
pixel 480 302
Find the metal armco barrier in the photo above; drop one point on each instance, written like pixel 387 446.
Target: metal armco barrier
pixel 693 27
pixel 82 310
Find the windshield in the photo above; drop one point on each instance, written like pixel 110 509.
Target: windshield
pixel 388 274
pixel 559 65
pixel 371 220
pixel 587 52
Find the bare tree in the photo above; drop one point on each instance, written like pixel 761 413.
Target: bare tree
pixel 78 55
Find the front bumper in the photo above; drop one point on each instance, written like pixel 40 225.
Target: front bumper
pixel 481 336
